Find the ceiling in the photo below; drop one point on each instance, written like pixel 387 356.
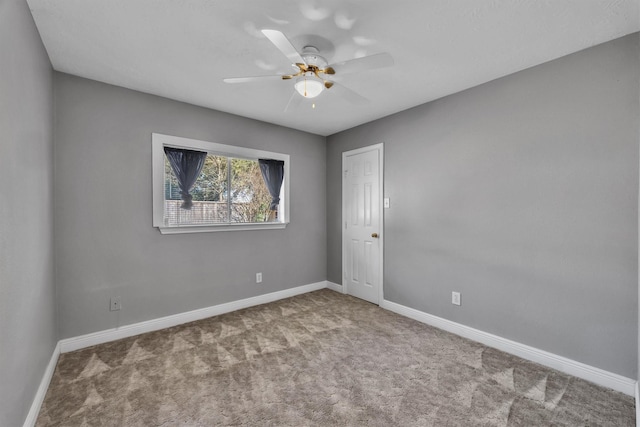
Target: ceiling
pixel 182 49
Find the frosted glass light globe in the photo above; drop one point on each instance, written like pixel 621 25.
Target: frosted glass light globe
pixel 309 86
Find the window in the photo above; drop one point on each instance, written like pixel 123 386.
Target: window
pixel 229 187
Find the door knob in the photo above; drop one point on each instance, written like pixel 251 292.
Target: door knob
pixel 374 235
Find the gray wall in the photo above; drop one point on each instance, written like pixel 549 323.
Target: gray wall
pixel 522 194
pixel 105 244
pixel 27 297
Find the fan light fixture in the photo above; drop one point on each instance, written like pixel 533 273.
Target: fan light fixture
pixel 311 73
pixel 309 86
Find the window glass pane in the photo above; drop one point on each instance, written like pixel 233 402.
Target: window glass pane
pixel 250 197
pixel 247 201
pixel 210 192
pixel 171 189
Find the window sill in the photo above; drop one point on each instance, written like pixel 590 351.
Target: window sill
pixel 183 229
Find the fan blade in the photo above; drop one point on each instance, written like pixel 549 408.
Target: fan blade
pixel 250 79
pixel 284 45
pixel 348 94
pixel 379 60
pixel 294 102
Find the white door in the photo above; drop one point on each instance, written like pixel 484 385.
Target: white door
pixel 362 223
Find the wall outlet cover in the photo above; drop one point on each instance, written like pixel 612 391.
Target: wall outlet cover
pixel 116 304
pixel 455 298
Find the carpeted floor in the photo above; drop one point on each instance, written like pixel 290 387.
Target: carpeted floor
pixel 319 359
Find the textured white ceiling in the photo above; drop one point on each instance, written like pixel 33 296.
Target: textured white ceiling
pixel 182 49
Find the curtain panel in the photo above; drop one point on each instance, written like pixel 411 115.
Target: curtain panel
pixel 186 165
pixel 273 174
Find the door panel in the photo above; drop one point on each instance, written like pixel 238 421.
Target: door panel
pixel 355 261
pixel 361 209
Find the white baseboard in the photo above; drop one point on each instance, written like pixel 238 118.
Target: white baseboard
pixel 83 341
pixel 335 287
pixel 560 363
pixel 32 416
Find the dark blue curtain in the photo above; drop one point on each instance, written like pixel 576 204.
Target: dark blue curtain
pixel 273 174
pixel 186 165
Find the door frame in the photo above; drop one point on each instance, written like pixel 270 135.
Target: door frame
pixel 380 148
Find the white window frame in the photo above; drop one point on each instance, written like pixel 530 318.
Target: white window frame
pixel 159 141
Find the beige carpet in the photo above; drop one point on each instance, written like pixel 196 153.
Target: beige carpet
pixel 319 359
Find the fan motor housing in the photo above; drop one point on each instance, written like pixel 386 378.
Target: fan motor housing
pixel 311 57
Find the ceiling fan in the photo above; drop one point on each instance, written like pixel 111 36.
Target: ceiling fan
pixel 312 72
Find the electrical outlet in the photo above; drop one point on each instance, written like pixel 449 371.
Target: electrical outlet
pixel 258 277
pixel 116 304
pixel 455 298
